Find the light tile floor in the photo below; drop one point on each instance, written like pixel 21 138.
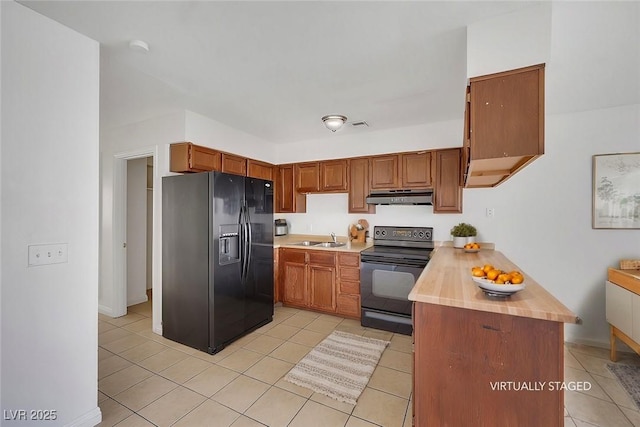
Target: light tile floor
pixel 146 380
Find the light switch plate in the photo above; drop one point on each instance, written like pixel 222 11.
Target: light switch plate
pixel 55 253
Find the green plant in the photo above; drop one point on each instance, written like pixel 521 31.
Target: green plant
pixel 463 230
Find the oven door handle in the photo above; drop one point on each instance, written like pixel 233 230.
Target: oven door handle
pixel 395 262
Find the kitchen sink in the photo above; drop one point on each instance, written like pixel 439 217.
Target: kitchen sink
pixel 330 244
pixel 306 243
pixel 320 244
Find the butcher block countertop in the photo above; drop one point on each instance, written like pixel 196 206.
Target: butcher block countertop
pixel 289 241
pixel 628 279
pixel 447 281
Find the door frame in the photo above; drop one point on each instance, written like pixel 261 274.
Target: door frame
pixel 120 224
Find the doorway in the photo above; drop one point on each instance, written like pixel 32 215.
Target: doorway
pixel 135 175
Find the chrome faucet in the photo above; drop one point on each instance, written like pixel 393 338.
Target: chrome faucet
pixel 333 236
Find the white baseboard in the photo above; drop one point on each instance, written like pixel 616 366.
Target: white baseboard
pixel 107 311
pixel 137 300
pixel 157 329
pixel 90 419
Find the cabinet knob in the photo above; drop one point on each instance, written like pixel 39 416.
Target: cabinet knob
pixel 505 154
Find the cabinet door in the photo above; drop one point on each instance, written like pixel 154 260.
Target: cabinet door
pixel 234 164
pixel 359 186
pixel 287 199
pixel 322 287
pixel 416 170
pixel 507 114
pixel 294 277
pixel 204 159
pixel 261 170
pixel 188 157
pixel 333 175
pixel 348 305
pixel 447 191
pixel 619 307
pixel 384 172
pixel 277 289
pixel 307 177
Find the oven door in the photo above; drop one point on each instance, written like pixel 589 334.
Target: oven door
pixel 384 291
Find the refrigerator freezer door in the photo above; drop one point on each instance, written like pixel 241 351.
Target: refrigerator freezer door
pixel 185 259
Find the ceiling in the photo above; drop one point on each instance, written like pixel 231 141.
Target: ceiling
pixel 273 69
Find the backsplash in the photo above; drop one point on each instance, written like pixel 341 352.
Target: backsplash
pixel 327 213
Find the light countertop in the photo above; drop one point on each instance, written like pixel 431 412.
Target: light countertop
pixel 289 240
pixel 447 281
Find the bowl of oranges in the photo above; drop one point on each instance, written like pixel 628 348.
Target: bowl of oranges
pixel 471 247
pixel 496 282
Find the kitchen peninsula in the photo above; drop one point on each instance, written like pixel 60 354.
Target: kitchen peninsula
pixel 482 360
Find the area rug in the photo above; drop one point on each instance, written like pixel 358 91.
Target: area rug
pixel 339 367
pixel 629 378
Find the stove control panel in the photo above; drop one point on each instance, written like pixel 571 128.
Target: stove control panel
pixel 402 234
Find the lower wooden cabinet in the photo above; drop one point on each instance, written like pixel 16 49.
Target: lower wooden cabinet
pixel 348 299
pixel 465 359
pixel 309 279
pixel 326 281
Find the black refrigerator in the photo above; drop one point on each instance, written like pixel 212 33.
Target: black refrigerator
pixel 217 258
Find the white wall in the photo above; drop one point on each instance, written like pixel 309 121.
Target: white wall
pixel 509 41
pixel 157 134
pixel 136 231
pixel 153 135
pixel 49 177
pixel 543 213
pixel 204 131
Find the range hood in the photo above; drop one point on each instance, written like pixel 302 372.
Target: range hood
pixel 400 197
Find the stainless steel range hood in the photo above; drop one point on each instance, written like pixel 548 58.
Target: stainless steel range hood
pixel 400 197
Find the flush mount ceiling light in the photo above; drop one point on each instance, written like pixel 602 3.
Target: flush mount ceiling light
pixel 334 122
pixel 139 45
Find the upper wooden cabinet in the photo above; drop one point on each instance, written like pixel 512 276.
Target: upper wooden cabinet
pixel 307 177
pixel 188 157
pixel 505 124
pixel 261 170
pixel 322 177
pixel 359 186
pixel 288 200
pixel 447 193
pixel 416 170
pixel 234 164
pixel 384 172
pixel 334 175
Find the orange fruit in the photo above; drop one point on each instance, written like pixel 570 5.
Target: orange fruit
pixel 475 246
pixel 504 277
pixel 516 279
pixel 493 274
pixel 478 272
pixel 499 282
pixel 487 268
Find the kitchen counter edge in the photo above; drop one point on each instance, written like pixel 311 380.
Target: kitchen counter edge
pixel 289 240
pixel 447 281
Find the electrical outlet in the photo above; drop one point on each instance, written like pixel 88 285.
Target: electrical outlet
pixel 55 253
pixel 491 212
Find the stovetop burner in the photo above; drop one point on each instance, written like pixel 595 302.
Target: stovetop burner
pixel 397 243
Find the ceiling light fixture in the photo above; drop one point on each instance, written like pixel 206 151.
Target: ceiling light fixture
pixel 139 46
pixel 334 122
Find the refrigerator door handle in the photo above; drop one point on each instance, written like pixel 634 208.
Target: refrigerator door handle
pixel 242 243
pixel 250 239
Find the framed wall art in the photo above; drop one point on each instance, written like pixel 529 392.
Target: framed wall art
pixel 616 191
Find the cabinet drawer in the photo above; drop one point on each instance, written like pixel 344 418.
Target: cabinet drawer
pixel 292 255
pixel 350 273
pixel 322 258
pixel 347 287
pixel 352 260
pixel 348 305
